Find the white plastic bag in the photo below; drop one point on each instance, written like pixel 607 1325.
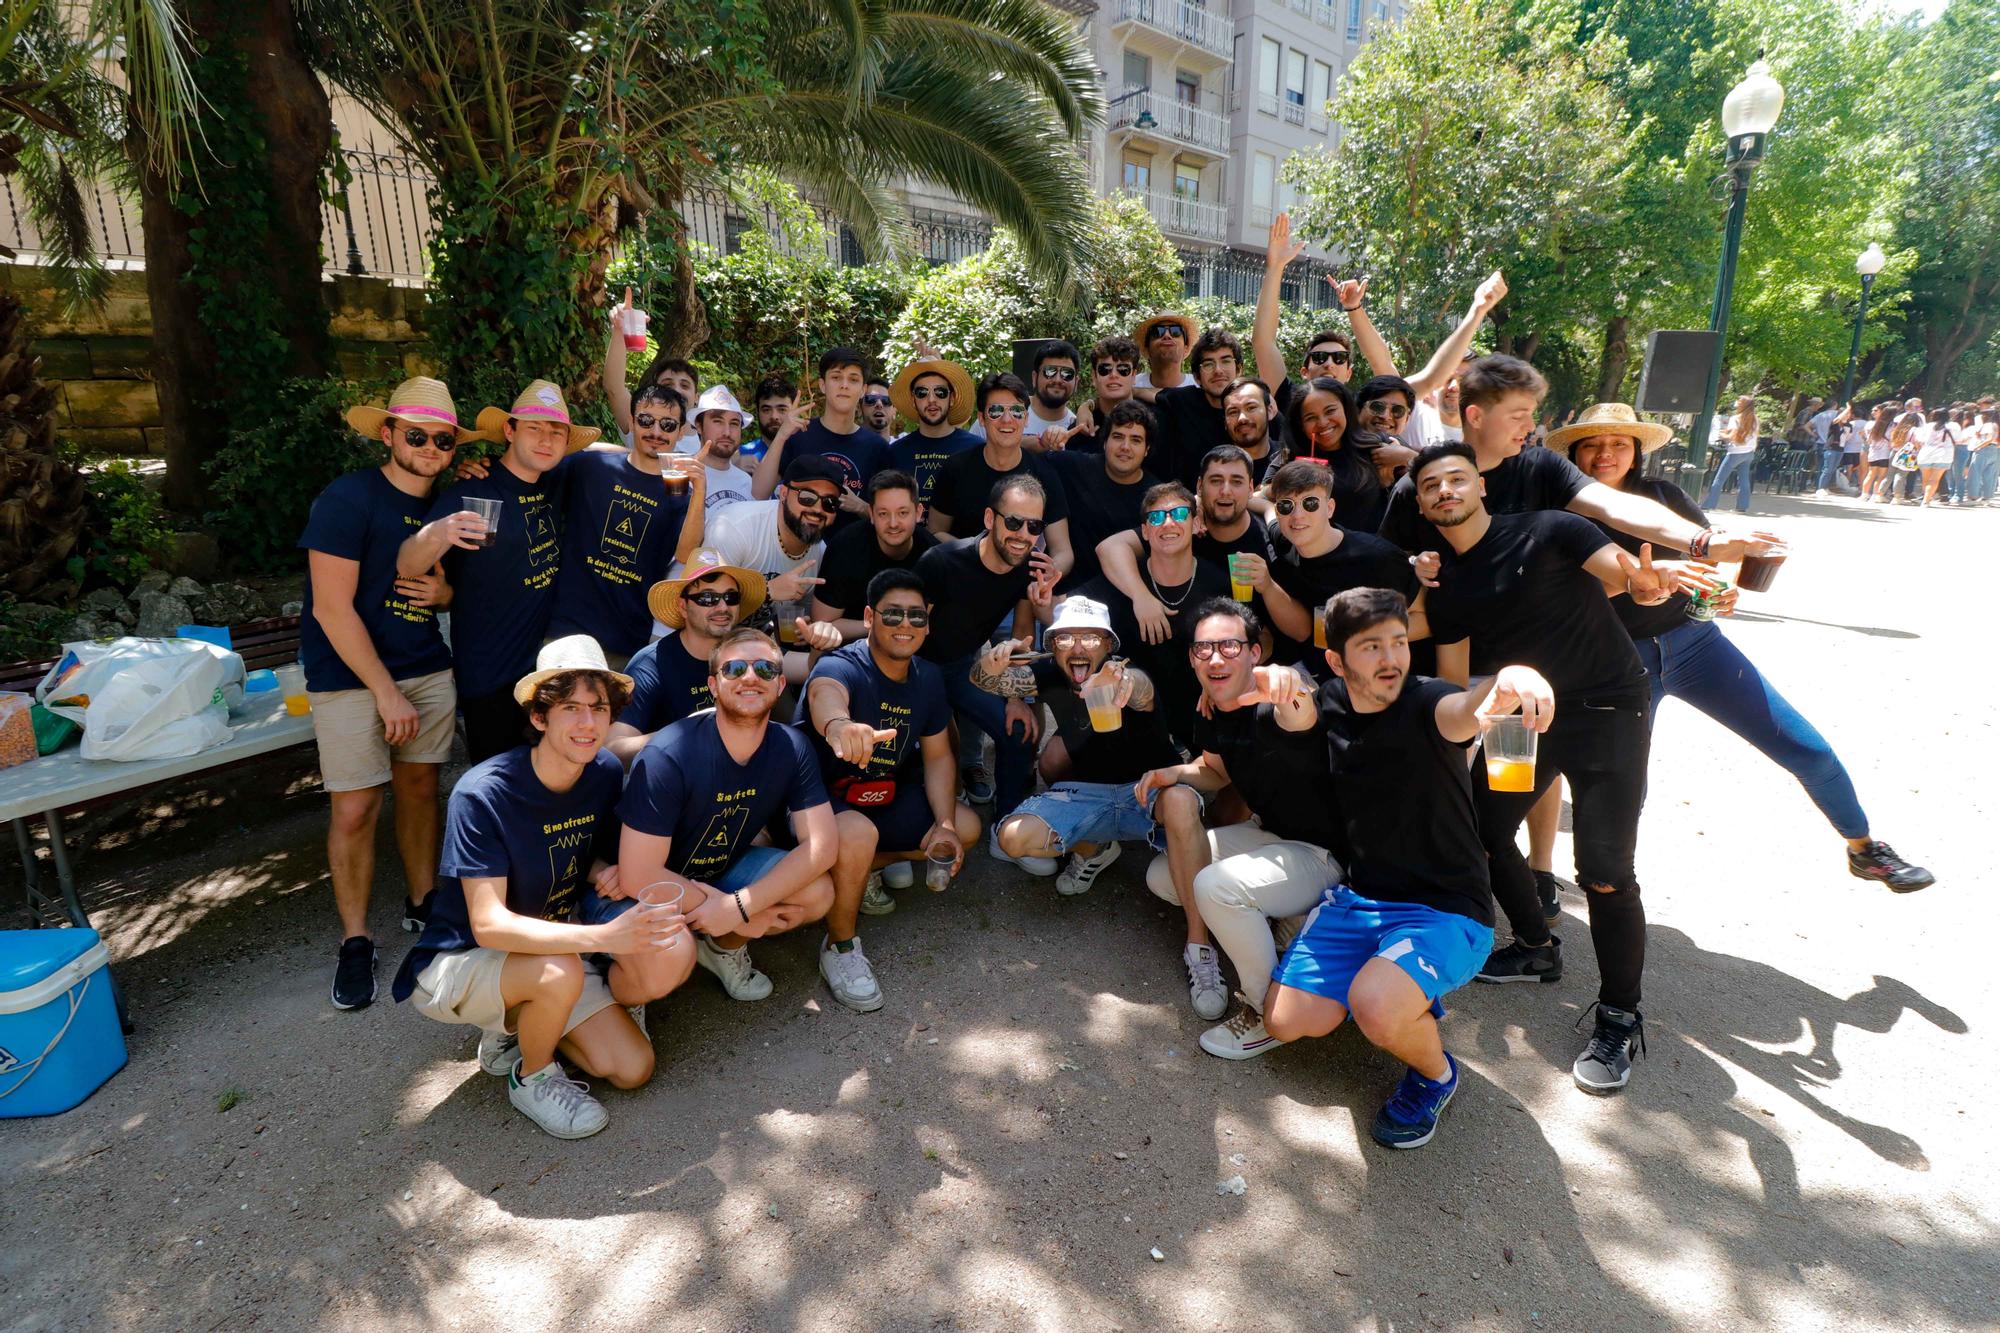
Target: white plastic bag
pixel 145 698
pixel 87 667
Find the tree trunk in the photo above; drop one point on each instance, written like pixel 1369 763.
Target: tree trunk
pixel 296 125
pixel 687 319
pixel 41 496
pixel 1614 359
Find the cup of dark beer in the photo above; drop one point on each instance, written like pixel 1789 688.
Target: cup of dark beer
pixel 1759 570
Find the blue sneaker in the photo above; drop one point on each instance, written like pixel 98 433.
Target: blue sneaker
pixel 1410 1117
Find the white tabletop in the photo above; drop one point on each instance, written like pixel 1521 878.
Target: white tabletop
pixel 65 778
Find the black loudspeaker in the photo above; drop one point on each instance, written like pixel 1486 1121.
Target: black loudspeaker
pixel 1676 371
pixel 1025 351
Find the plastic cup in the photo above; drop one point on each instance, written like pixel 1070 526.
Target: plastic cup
pixel 634 328
pixel 675 480
pixel 937 867
pixel 1319 627
pixel 1759 570
pixel 489 514
pixel 292 683
pixel 1102 701
pixel 1239 587
pixel 1510 754
pixel 665 893
pixel 787 615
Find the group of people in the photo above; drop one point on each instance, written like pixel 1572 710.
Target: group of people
pixel 1249 617
pixel 1891 451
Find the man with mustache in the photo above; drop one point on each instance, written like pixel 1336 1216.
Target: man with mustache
pixel 783 539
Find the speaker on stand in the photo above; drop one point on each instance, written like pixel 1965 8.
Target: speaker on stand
pixel 1673 380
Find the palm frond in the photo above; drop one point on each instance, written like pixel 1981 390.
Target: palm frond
pixel 61 214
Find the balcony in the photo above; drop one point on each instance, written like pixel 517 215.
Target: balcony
pixel 1190 24
pixel 1172 121
pixel 1189 218
pixel 1294 112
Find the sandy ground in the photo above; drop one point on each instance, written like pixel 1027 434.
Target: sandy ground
pixel 1807 1146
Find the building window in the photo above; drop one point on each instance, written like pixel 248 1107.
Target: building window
pixel 1273 54
pixel 1187 89
pixel 1138 171
pixel 851 253
pixel 1378 12
pixel 1295 78
pixel 1187 180
pixel 1263 181
pixel 1353 20
pixel 1322 88
pixel 1138 71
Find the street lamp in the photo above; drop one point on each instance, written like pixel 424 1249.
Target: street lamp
pixel 1748 115
pixel 1871 262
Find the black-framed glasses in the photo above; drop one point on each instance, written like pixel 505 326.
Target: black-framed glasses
pixel 1015 522
pixel 913 616
pixel 1204 649
pixel 713 597
pixel 1332 357
pixel 443 441
pixel 646 421
pixel 1114 367
pixel 995 411
pixel 1159 331
pixel 1067 639
pixel 1156 518
pixel 814 500
pixel 923 391
pixel 1310 504
pixel 736 668
pixel 874 400
pixel 1066 374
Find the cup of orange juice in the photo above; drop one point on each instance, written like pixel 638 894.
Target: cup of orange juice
pixel 292 683
pixel 1510 754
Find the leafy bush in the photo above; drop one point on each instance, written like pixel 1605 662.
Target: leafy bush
pixel 264 479
pixel 1296 326
pixel 126 529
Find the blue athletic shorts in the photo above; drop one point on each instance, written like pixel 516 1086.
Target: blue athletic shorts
pixel 1094 812
pixel 750 867
pixel 901 825
pixel 1440 951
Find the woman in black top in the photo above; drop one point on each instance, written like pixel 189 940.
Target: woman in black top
pixel 1319 424
pixel 1687 655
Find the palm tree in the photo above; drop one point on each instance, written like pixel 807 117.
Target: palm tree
pixel 552 125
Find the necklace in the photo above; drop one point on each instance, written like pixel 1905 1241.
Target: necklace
pixel 1187 591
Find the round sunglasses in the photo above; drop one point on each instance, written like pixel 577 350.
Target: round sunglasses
pixel 1204 649
pixel 443 441
pixel 1310 504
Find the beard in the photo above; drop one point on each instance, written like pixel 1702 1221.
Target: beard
pixel 1053 397
pixel 416 463
pixel 740 709
pixel 1464 514
pixel 797 524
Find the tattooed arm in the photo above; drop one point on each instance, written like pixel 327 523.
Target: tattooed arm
pixel 994 671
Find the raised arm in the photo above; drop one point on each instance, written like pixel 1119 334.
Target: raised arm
pixel 1460 717
pixel 615 391
pixel 1453 349
pixel 1279 252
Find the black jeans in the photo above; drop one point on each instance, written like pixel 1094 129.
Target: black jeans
pixel 494 724
pixel 1602 750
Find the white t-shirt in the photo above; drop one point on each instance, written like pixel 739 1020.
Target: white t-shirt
pixel 1728 428
pixel 1427 427
pixel 747 534
pixel 1145 380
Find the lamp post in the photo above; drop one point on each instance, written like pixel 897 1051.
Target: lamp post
pixel 1748 115
pixel 1871 262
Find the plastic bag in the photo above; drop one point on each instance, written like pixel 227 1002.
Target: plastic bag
pixel 87 667
pixel 145 698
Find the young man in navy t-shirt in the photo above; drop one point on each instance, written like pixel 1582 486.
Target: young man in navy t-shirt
pixel 836 434
pixel 879 721
pixel 377 668
pixel 670 674
pixel 702 790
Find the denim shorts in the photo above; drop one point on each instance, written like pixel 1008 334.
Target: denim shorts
pixel 1096 813
pixel 752 865
pixel 1440 951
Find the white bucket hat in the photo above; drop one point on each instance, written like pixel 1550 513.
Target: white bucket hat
pixel 717 398
pixel 1075 613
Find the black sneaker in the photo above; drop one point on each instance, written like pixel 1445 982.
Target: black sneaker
pixel 416 916
pixel 1549 891
pixel 1878 861
pixel 354 974
pixel 1606 1063
pixel 1524 962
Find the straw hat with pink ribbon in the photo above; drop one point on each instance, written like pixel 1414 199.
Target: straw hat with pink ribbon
pixel 421 401
pixel 540 401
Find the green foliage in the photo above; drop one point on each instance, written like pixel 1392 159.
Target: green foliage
pixel 970 311
pixel 29 633
pixel 1296 326
pixel 126 530
pixel 263 479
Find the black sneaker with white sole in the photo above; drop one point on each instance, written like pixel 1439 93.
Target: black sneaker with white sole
pixel 1549 890
pixel 416 916
pixel 1878 861
pixel 1524 962
pixel 1605 1066
pixel 354 974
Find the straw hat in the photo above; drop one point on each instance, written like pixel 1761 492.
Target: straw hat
pixel 573 652
pixel 962 392
pixel 718 398
pixel 663 599
pixel 422 399
pixel 544 402
pixel 1611 419
pixel 1188 331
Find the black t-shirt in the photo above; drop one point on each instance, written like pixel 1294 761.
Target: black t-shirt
pixel 1522 595
pixel 687 787
pixel 1281 774
pixel 1255 539
pixel 1361 560
pixel 1098 507
pixel 1648 622
pixel 921 456
pixel 1190 426
pixel 913 707
pixel 1166 662
pixel 1138 746
pixel 668 683
pixel 968 600
pixel 1532 479
pixel 1404 797
pixel 965 484
pixel 854 557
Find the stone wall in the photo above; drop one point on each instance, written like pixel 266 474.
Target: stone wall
pixel 100 362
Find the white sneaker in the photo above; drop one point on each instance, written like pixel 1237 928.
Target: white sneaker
pixel 498 1051
pixel 1241 1038
pixel 1820 493
pixel 732 967
pixel 899 874
pixel 875 900
pixel 850 977
pixel 561 1105
pixel 1039 866
pixel 1205 989
pixel 638 1013
pixel 1080 874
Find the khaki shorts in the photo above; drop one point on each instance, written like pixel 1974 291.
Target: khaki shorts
pixel 352 754
pixel 464 987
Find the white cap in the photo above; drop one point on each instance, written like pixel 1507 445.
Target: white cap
pixel 1075 613
pixel 719 399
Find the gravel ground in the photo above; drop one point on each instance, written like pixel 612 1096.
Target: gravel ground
pixel 1004 1144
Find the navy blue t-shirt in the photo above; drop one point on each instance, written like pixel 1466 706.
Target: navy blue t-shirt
pixel 686 786
pixel 859 456
pixel 915 706
pixel 364 518
pixel 503 593
pixel 503 822
pixel 620 531
pixel 668 683
pixel 921 456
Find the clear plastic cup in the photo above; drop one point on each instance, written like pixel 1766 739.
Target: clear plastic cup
pixel 937 867
pixel 1102 701
pixel 292 683
pixel 666 893
pixel 787 615
pixel 1758 570
pixel 1510 754
pixel 489 514
pixel 1319 627
pixel 633 326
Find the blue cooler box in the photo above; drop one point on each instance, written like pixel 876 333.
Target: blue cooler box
pixel 59 1035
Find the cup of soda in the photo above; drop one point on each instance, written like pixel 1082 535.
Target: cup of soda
pixel 1102 701
pixel 634 329
pixel 1240 586
pixel 937 866
pixel 489 514
pixel 1759 570
pixel 1510 754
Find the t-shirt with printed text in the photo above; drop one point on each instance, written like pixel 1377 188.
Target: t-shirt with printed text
pixel 363 517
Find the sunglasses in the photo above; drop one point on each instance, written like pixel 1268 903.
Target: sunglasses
pixel 1068 639
pixel 1159 331
pixel 922 392
pixel 646 421
pixel 713 597
pixel 444 441
pixel 814 500
pixel 875 400
pixel 1389 408
pixel 1310 504
pixel 915 616
pixel 1063 373
pixel 1160 517
pixel 1204 649
pixel 1015 523
pixel 1114 367
pixel 996 411
pixel 739 667
pixel 1336 357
